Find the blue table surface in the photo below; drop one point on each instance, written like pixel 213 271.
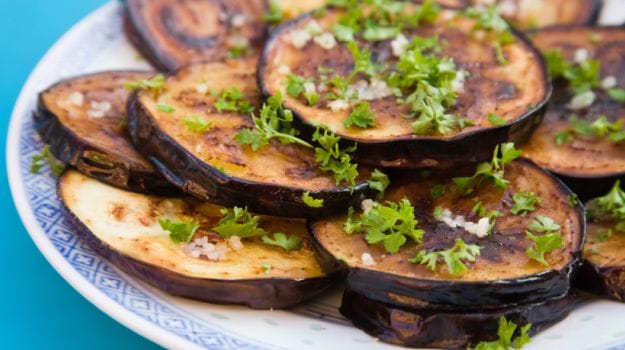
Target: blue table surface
pixel 38 309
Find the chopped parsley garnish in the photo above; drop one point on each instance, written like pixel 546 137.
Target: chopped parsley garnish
pixel 361 116
pixel 480 210
pixel 37 162
pixel 546 243
pixel 454 257
pixel 197 124
pixel 572 200
pixel 610 206
pixel 238 222
pixel 495 120
pixel 274 121
pixel 274 13
pixel 437 191
pixel 362 61
pixel 310 201
pixel 281 240
pixel 379 181
pixel 343 33
pixel 489 20
pixel 604 236
pixel 296 86
pixel 582 76
pixel 180 231
pixel 238 50
pixel 598 128
pixel 154 84
pixel 489 172
pixel 266 268
pixel 617 94
pixel 330 157
pixel 525 202
pixel 429 79
pixel 390 224
pixel 506 332
pixel 165 108
pixel 233 100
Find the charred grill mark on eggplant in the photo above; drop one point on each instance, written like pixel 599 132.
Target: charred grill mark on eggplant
pixel 392 143
pixel 96 141
pixel 123 227
pixel 588 165
pixel 213 166
pixel 174 33
pixel 502 275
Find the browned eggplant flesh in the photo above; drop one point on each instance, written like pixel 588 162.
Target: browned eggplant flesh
pixel 474 251
pixel 174 33
pixel 126 228
pixel 603 271
pixel 83 120
pixel 423 328
pixel 581 136
pixel 482 87
pixel 191 131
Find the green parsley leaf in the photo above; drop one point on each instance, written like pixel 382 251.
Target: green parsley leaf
pixel 310 201
pixel 506 331
pixel 377 33
pixel 197 124
pixel 390 224
pixel 274 13
pixel 604 236
pixel 343 33
pixel 545 244
pixel 154 84
pixel 610 206
pixel 492 172
pixel 525 202
pixel 598 128
pixel 238 222
pixel 617 94
pixel 489 20
pixel 165 108
pixel 281 240
pixel 582 76
pixel 331 158
pixel 379 181
pixel 454 257
pixel 362 61
pixel 37 161
pixel 274 121
pixel 572 200
pixel 233 100
pixel 180 231
pixel 266 268
pixel 361 116
pixel 496 120
pixel 437 191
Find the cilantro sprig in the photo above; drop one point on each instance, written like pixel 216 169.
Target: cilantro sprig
pixel 330 157
pixel 311 201
pixel 390 224
pixel 361 116
pixel 581 77
pixel 274 121
pixel 507 330
pixel 610 206
pixel 489 172
pixel 154 84
pixel 197 124
pixel 525 202
pixel 37 162
pixel 599 128
pixel 550 240
pixel 232 100
pixel 454 257
pixel 379 181
pixel 490 21
pixel 288 243
pixel 180 231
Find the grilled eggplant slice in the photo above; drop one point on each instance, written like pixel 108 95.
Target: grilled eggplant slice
pixel 174 33
pixel 589 165
pixel 83 119
pixel 124 228
pixel 515 91
pixel 501 276
pixel 452 329
pixel 213 166
pixel 532 14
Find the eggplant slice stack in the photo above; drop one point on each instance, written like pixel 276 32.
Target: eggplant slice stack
pixel 83 120
pixel 124 228
pixel 173 33
pixel 516 91
pixel 566 143
pixel 212 165
pixel 463 237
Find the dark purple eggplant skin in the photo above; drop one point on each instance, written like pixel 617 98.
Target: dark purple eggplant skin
pixel 72 149
pixel 264 293
pixel 453 295
pixel 203 181
pixel 419 328
pixel 603 281
pixel 423 151
pixel 590 187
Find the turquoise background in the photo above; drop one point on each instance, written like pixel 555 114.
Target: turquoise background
pixel 38 309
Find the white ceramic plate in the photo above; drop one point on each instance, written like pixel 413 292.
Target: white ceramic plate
pixel 97 43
